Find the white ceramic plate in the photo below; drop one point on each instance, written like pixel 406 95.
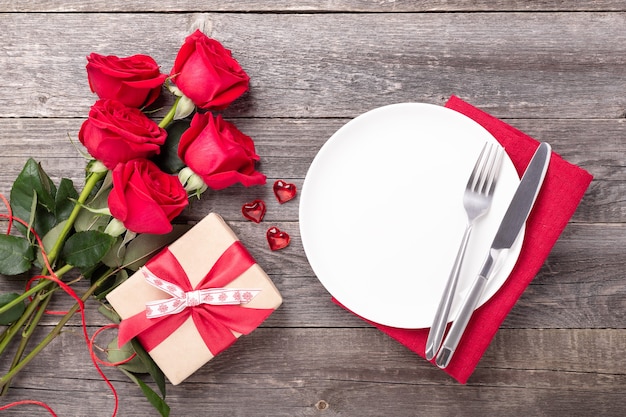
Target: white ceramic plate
pixel 381 212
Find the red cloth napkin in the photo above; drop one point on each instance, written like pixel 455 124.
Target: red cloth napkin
pixel 562 190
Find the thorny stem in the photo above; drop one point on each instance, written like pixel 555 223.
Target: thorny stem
pixel 15 327
pixel 54 332
pixel 41 305
pixel 41 285
pixel 43 301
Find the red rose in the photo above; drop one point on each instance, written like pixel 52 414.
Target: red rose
pixel 144 198
pixel 135 81
pixel 115 133
pixel 219 153
pixel 206 73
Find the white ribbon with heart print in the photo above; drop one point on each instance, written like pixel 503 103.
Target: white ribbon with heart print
pixel 181 300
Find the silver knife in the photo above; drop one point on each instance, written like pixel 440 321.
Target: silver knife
pixel 512 223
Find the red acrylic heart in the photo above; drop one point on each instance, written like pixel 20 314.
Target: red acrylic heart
pixel 254 211
pixel 284 191
pixel 277 239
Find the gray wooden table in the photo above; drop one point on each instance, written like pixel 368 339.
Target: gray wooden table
pixel 556 70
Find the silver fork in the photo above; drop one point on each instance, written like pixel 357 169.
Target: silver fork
pixel 476 201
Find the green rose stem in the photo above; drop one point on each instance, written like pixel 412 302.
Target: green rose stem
pixel 38 305
pixel 34 311
pixel 43 284
pixel 92 181
pixel 4 381
pixel 169 117
pixel 40 286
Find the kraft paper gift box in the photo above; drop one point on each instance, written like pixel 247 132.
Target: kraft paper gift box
pixel 220 293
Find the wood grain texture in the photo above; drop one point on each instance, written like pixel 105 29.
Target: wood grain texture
pixel 553 69
pixel 389 6
pixel 568 68
pixel 288 372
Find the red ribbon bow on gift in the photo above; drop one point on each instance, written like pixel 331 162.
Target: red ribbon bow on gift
pixel 215 323
pixel 182 299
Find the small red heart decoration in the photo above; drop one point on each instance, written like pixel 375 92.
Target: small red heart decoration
pixel 284 191
pixel 254 211
pixel 277 239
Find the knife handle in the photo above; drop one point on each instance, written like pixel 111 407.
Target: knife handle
pixel 467 309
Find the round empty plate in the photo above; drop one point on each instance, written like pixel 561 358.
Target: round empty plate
pixel 382 216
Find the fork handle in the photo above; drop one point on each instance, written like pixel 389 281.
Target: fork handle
pixel 467 310
pixel 435 336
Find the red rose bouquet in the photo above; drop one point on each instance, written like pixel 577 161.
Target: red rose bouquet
pixel 135 186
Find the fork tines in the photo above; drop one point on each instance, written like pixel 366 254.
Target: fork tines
pixel 490 156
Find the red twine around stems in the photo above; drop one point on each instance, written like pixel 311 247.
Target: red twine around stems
pixel 92 342
pixel 28 286
pixel 68 290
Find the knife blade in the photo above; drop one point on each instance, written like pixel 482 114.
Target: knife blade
pixel 510 227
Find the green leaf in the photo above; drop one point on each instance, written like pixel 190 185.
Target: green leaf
pixel 105 186
pixel 64 199
pixel 155 372
pixel 85 249
pixel 88 220
pixel 168 159
pixel 16 255
pixel 115 256
pixel 117 354
pixel 157 402
pixel 108 312
pixel 32 184
pixel 13 313
pixel 143 246
pixel 32 213
pixel 49 240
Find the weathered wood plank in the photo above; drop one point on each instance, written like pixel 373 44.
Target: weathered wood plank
pixel 569 291
pixel 286 372
pixel 287 147
pixel 522 65
pixel 69 6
